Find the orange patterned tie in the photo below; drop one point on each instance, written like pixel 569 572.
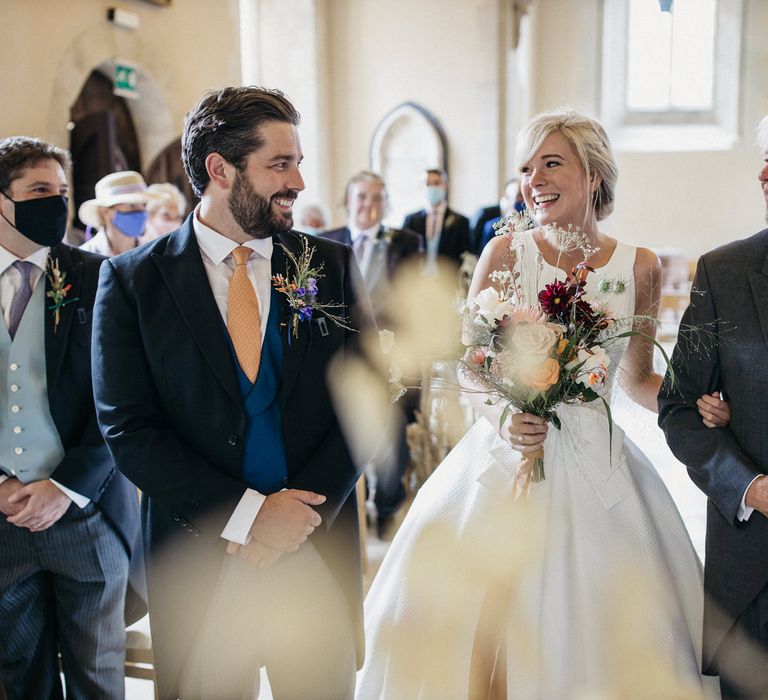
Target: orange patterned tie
pixel 243 316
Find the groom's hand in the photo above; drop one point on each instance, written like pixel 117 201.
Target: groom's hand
pixel 757 495
pixel 286 519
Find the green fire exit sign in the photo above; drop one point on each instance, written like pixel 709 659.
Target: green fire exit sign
pixel 125 79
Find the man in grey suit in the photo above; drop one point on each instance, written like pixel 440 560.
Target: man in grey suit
pixel 729 464
pixel 380 252
pixel 70 521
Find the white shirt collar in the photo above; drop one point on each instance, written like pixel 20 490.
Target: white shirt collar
pixel 371 232
pixel 38 258
pixel 217 247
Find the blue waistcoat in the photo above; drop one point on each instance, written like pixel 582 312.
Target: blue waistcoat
pixel 264 466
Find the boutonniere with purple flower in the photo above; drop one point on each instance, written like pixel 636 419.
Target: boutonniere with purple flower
pixel 300 289
pixel 58 290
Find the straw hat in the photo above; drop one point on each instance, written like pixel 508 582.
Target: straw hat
pixel 126 187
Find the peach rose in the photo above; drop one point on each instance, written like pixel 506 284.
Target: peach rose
pixel 544 376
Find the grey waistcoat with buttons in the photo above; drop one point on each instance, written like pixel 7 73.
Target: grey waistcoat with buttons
pixel 30 447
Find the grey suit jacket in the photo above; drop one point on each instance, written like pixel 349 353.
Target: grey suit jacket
pixel 729 298
pixel 393 248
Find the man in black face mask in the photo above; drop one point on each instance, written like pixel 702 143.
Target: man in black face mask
pixel 69 522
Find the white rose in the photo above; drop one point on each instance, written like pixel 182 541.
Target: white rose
pixel 491 307
pixel 532 341
pixel 596 363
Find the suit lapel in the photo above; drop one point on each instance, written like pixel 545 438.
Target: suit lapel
pixel 57 335
pixel 758 281
pixel 294 348
pixel 181 267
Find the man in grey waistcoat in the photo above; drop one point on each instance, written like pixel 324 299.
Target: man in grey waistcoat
pixel 729 464
pixel 70 521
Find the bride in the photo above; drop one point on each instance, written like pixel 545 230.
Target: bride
pixel 590 586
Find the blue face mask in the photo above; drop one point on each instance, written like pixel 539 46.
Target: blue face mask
pixel 130 223
pixel 435 195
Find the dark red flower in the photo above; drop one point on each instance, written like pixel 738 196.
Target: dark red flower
pixel 555 299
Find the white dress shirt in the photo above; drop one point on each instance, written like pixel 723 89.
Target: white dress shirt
pixel 216 251
pixel 432 233
pixel 435 219
pixel 745 511
pixel 10 281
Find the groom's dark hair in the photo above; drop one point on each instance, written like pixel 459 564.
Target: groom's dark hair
pixel 228 122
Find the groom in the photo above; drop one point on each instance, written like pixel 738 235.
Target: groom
pixel 729 464
pixel 215 403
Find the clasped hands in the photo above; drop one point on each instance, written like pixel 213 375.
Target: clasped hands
pixel 284 522
pixel 35 506
pixel 527 433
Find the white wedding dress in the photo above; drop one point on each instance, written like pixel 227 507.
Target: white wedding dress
pixel 589 588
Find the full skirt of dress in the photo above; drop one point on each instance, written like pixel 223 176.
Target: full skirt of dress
pixel 589 587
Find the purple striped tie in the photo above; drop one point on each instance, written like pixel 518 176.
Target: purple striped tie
pixel 21 297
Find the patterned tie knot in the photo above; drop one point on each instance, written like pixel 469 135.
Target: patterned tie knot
pixel 25 269
pixel 241 255
pixel 359 246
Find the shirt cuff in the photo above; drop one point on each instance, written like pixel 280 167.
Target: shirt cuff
pixel 3 478
pixel 745 511
pixel 238 527
pixel 78 499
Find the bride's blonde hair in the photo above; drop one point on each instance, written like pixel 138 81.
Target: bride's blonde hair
pixel 590 142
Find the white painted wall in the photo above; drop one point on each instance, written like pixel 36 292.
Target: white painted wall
pixel 442 54
pixel 347 63
pixel 49 48
pixel 694 201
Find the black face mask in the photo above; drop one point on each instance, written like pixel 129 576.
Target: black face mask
pixel 43 220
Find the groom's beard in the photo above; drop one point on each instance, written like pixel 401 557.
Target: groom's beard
pixel 253 213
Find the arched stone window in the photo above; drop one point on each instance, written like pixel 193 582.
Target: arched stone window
pixel 407 141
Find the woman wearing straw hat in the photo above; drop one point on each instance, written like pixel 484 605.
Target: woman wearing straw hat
pixel 118 212
pixel 166 213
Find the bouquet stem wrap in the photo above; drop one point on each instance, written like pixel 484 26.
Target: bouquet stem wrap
pixel 531 469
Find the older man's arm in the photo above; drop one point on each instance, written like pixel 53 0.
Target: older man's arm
pixel 715 460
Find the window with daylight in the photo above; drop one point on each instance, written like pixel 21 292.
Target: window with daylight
pixel 671 72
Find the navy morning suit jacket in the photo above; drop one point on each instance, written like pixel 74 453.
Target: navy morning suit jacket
pixel 170 407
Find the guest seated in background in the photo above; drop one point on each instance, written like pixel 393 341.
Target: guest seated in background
pixel 511 201
pixel 70 521
pixel 443 232
pixel 482 216
pixel 119 212
pixel 380 251
pixel 313 219
pixel 477 224
pixel 165 213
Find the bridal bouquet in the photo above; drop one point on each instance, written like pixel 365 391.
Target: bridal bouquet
pixel 534 354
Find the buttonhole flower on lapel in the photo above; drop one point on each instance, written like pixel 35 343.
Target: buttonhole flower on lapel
pixel 58 291
pixel 386 235
pixel 300 289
